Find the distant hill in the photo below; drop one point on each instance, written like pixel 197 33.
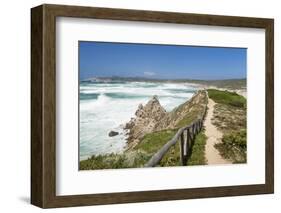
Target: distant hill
pixel 225 83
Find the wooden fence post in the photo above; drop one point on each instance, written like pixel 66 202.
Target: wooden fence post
pixel 192 132
pixel 182 156
pixel 187 145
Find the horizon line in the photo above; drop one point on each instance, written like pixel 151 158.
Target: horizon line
pixel 167 79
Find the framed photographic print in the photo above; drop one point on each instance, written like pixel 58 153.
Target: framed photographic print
pixel 136 106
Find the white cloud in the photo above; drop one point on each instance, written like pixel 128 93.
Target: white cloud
pixel 149 73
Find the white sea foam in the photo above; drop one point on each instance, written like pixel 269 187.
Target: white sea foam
pixel 114 105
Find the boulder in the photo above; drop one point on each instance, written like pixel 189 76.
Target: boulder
pixel 113 133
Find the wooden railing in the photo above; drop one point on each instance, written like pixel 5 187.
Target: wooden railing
pixel 186 137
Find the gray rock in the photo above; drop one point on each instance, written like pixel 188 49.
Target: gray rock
pixel 147 116
pixel 113 133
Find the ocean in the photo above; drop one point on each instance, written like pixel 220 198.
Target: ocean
pixel 109 106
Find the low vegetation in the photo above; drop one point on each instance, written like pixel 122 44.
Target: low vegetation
pixel 152 142
pixel 109 161
pixel 172 157
pixel 227 98
pixel 196 110
pixel 230 118
pixel 197 157
pixel 198 151
pixel 234 146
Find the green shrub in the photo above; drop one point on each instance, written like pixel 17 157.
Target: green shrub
pixel 152 142
pixel 234 146
pixel 228 98
pixel 109 161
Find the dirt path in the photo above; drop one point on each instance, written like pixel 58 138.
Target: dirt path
pixel 213 136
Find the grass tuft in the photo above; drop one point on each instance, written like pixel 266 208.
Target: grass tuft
pixel 234 146
pixel 228 98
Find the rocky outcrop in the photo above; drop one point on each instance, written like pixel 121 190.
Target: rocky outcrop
pixel 153 117
pixel 184 113
pixel 147 117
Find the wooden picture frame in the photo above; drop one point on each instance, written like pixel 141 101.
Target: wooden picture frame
pixel 43 105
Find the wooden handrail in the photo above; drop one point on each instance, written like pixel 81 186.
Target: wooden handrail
pixel 186 142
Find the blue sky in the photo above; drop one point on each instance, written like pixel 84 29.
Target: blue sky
pixel 102 59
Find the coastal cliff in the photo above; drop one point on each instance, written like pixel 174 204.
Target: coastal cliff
pixel 147 117
pixel 152 117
